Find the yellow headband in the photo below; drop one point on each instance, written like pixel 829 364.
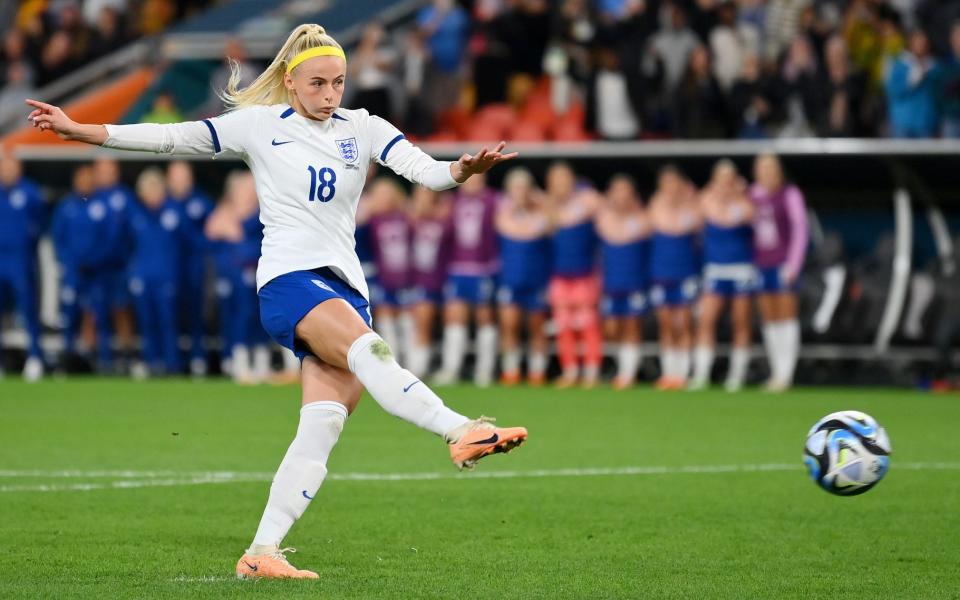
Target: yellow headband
pixel 312 52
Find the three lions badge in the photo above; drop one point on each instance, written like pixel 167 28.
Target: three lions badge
pixel 348 150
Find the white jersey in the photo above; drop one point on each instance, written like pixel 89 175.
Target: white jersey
pixel 309 175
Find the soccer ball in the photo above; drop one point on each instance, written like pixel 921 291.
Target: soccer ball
pixel 847 453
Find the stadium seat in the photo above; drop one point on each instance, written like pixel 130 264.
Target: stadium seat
pixel 527 132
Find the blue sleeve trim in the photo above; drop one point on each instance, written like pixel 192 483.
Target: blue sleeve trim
pixel 386 149
pixel 287 113
pixel 213 134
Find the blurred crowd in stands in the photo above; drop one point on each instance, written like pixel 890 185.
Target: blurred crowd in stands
pixel 628 69
pixel 43 40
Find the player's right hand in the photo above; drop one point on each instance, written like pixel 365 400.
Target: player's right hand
pixel 49 117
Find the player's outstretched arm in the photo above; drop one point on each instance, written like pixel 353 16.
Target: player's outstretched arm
pixel 47 117
pixel 480 162
pixel 207 137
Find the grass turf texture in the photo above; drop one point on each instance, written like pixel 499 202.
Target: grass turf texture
pixel 705 535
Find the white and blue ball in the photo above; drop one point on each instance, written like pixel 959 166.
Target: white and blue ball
pixel 847 453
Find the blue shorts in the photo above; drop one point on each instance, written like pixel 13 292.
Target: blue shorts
pixel 381 296
pixel 771 281
pixel 420 294
pixel 730 280
pixel 674 293
pixel 624 304
pixel 284 301
pixel 472 289
pixel 533 299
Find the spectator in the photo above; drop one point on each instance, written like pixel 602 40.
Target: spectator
pixel 417 119
pixel 444 26
pixel 610 111
pixel 700 105
pixel 109 35
pixel 164 110
pixel 93 9
pixel 839 94
pixel 674 44
pixel 16 84
pixel 872 36
pixel 14 51
pixel 751 109
pixel 730 43
pixel 782 24
pixel 798 80
pixel 949 88
pixel 234 53
pixel 370 70
pixel 490 53
pixel 912 90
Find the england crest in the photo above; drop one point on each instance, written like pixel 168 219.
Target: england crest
pixel 348 149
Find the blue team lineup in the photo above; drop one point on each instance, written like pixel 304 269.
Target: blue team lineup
pixel 520 277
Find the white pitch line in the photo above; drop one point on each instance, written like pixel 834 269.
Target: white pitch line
pixel 141 479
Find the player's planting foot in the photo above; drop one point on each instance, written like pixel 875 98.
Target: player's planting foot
pixel 621 383
pixel 272 565
pixel 33 369
pixel 478 438
pixel 536 379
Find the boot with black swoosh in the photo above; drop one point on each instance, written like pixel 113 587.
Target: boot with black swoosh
pixel 478 438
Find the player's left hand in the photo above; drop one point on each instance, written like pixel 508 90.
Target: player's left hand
pixel 482 161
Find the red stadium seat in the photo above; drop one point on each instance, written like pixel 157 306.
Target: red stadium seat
pixel 570 131
pixel 527 131
pixel 443 136
pixel 500 116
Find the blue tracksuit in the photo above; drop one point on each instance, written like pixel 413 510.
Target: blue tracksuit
pixel 158 237
pixel 67 245
pixel 22 216
pixel 236 265
pixel 196 207
pixel 93 244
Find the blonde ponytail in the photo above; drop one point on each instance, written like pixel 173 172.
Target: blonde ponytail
pixel 268 88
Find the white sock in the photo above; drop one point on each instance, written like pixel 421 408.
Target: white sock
pixel 510 361
pixel 739 360
pixel 628 360
pixel 389 330
pixel 536 362
pixel 291 363
pixel 261 363
pixel 396 390
pixel 301 472
pixel 408 336
pixel 419 360
pixel 682 362
pixel 240 363
pixel 667 367
pixel 486 352
pixel 454 347
pixel 770 344
pixel 702 365
pixel 790 332
pixel 591 372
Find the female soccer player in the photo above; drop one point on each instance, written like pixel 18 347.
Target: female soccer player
pixel 432 239
pixel 524 227
pixel 624 229
pixel 159 232
pixel 728 273
pixel 574 289
pixel 390 241
pixel 473 268
pixel 309 158
pixel 780 236
pixel 674 266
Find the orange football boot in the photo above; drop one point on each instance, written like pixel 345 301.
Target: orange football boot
pixel 536 379
pixel 621 383
pixel 478 438
pixel 668 383
pixel 271 566
pixel 510 378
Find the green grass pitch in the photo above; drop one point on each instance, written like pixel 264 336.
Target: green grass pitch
pixel 115 489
